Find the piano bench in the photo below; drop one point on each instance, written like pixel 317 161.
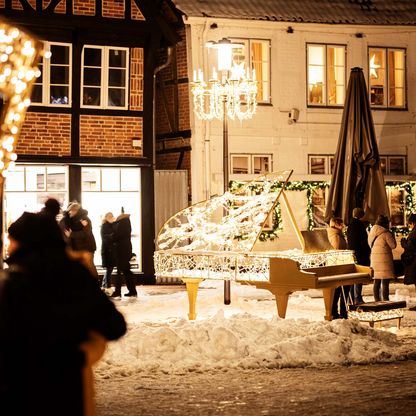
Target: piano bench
pixel 376 312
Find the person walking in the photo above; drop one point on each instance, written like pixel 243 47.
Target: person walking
pixel 51 313
pixel 108 248
pixel 381 242
pixel 357 240
pixel 408 256
pixel 52 208
pixel 338 242
pixel 77 229
pixel 122 238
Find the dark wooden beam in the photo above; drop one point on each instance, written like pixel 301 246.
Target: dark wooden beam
pixel 180 149
pixel 51 6
pixel 76 95
pixel 74 183
pixel 161 86
pixel 127 9
pixel 86 160
pixel 98 8
pixel 153 14
pixel 26 6
pixel 186 134
pixel 39 6
pixel 180 160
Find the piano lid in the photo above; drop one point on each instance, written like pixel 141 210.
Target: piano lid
pixel 230 222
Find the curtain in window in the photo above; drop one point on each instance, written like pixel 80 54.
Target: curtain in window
pixel 257 65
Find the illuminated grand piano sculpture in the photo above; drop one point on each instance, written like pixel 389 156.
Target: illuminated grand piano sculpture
pixel 216 239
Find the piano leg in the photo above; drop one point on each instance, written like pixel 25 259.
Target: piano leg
pixel 192 289
pixel 328 294
pixel 282 298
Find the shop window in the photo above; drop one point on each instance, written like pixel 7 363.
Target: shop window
pixel 319 196
pixel 326 75
pixel 387 75
pixel 113 190
pixel 320 164
pixel 250 164
pixel 393 164
pixel 104 77
pixel 53 87
pixel 396 199
pixel 255 54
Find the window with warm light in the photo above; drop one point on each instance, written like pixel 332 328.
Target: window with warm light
pixel 245 164
pixel 326 74
pixel 254 55
pixel 387 75
pixel 393 164
pixel 105 77
pixel 53 87
pixel 321 164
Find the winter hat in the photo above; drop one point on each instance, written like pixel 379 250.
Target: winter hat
pixel 52 207
pixel 358 213
pixel 383 221
pixel 37 231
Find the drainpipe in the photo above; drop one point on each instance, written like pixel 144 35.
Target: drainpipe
pixel 155 72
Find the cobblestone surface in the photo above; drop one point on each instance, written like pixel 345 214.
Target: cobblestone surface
pixel 381 389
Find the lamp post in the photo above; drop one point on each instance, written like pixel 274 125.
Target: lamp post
pixel 231 95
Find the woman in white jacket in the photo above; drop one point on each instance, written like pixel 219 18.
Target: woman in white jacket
pixel 382 242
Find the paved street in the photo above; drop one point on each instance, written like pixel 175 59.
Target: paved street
pixel 382 389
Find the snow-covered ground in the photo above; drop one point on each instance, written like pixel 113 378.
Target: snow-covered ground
pixel 246 334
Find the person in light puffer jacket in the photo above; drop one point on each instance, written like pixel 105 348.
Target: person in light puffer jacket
pixel 382 242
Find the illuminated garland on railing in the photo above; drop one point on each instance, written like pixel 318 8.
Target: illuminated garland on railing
pixel 310 188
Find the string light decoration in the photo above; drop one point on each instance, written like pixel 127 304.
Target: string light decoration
pixel 19 55
pixel 231 92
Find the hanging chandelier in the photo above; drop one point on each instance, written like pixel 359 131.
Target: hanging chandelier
pixel 231 90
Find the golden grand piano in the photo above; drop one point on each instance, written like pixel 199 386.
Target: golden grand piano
pixel 217 238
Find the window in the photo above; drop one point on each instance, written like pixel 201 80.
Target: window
pixel 387 75
pixel 319 197
pixel 320 164
pixel 112 189
pixel 104 77
pixel 393 164
pixel 250 164
pixel 255 54
pixel 53 87
pixel 396 200
pixel 326 74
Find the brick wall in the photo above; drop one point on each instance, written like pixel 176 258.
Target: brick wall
pixel 109 136
pixel 170 161
pixel 45 134
pixel 136 14
pixel 17 5
pixel 136 79
pixel 61 7
pixel 84 7
pixel 113 8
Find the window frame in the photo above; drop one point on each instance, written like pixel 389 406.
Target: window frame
pixel 46 77
pixel 250 157
pixel 388 159
pixel 248 62
pixel 327 164
pixel 386 106
pixel 326 69
pixel 105 73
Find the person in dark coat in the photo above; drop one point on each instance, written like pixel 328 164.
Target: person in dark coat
pixel 357 240
pixel 409 254
pixel 337 240
pixel 108 248
pixel 77 228
pixel 51 208
pixel 122 237
pixel 50 307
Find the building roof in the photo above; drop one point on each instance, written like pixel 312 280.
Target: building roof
pixel 365 12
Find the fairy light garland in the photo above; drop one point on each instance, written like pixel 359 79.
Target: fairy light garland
pixel 310 188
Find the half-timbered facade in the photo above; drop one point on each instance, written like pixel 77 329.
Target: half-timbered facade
pixel 89 132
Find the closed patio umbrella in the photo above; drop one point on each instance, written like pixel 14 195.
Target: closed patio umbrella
pixel 357 179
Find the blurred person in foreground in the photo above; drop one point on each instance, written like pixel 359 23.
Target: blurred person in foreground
pixel 357 240
pixel 54 324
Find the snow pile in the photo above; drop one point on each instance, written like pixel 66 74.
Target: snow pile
pixel 247 335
